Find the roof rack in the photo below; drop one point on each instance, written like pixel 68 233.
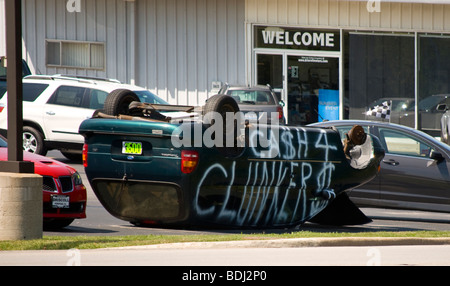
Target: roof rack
pixel 78 78
pixel 90 78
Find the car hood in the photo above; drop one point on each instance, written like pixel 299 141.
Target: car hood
pixel 43 166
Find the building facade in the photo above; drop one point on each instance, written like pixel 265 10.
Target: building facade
pixel 327 59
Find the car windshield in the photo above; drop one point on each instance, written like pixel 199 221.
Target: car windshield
pixel 30 91
pixel 148 97
pixel 400 104
pixel 255 97
pixel 430 103
pixel 435 141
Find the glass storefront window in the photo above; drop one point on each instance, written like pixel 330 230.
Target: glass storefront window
pixel 270 70
pixel 409 71
pixel 380 68
pixel 313 89
pixel 434 81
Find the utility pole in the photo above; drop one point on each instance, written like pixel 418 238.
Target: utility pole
pixel 15 163
pixel 21 190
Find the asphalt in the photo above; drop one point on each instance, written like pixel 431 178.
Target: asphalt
pixel 300 242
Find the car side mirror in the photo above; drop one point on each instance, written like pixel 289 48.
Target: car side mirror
pixel 436 157
pixel 441 107
pixel 281 103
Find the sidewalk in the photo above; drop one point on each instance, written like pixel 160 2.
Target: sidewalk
pixel 301 242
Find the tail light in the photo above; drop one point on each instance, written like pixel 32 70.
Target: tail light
pixel 189 160
pixel 85 155
pixel 280 112
pixel 2 106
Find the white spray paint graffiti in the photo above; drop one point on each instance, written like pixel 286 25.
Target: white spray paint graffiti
pixel 288 188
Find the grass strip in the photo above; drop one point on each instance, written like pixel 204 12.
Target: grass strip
pixel 93 242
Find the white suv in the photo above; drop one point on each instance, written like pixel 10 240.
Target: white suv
pixel 55 106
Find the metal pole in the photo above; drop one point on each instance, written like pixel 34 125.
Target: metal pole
pixel 15 163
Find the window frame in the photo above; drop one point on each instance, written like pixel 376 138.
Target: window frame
pixel 382 134
pixel 68 42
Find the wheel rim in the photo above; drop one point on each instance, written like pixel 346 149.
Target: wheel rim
pixel 29 142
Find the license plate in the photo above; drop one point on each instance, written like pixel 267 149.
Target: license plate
pixel 60 202
pixel 133 148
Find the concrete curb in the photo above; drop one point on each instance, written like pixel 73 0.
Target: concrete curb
pixel 300 242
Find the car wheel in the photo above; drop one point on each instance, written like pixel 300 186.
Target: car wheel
pixel 118 101
pixel 223 104
pixel 33 141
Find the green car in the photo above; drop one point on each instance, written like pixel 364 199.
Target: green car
pixel 155 171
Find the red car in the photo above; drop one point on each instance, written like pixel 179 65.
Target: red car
pixel 64 195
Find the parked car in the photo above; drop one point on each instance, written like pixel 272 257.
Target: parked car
pixel 25 69
pixel 54 107
pixel 400 110
pixel 64 194
pixel 415 172
pixel 150 170
pixel 429 115
pixel 445 123
pixel 256 101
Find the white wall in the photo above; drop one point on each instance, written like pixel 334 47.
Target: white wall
pixel 175 48
pixel 185 45
pixel 351 14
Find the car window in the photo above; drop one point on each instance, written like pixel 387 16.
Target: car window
pixel 256 97
pixel 346 128
pixel 403 144
pixel 97 99
pixel 148 97
pixel 3 142
pixel 2 88
pixel 68 96
pixel 30 91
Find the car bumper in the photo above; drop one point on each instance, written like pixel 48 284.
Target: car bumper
pixel 75 209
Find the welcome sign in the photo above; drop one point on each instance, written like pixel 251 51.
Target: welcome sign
pixel 298 39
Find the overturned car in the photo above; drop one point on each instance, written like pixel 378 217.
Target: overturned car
pixel 148 165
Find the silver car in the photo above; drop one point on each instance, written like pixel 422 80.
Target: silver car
pixel 445 123
pixel 256 101
pixel 415 171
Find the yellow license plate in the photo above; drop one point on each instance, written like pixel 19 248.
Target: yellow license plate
pixel 134 148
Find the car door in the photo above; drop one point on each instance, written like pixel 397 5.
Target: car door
pixel 64 112
pixel 369 193
pixel 409 178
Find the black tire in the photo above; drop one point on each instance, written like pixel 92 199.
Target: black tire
pixel 118 101
pixel 223 104
pixel 33 141
pixel 220 103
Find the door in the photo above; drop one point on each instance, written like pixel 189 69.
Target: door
pixel 312 89
pixel 409 177
pixel 64 112
pixel 269 70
